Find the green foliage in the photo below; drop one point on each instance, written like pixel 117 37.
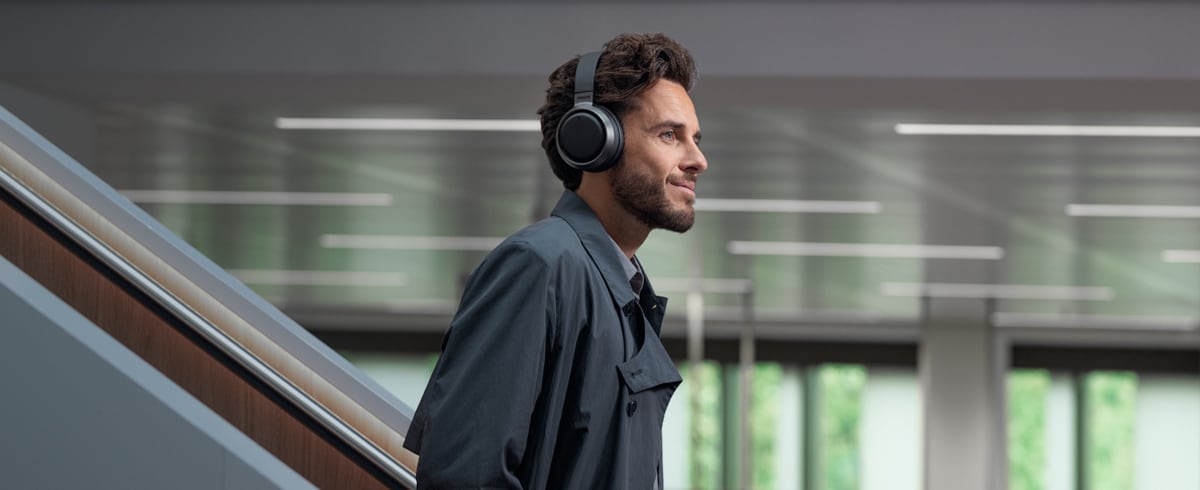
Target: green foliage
pixel 840 391
pixel 704 383
pixel 1027 389
pixel 764 420
pixel 1111 406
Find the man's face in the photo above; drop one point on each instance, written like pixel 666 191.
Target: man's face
pixel 655 180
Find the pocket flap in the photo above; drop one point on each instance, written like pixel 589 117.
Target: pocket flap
pixel 651 367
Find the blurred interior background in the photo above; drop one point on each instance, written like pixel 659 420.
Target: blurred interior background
pixel 937 240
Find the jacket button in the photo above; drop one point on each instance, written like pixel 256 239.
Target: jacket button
pixel 631 407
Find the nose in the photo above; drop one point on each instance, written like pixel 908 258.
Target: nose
pixel 695 161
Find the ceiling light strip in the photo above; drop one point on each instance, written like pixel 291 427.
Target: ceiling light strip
pixel 256 198
pixel 320 278
pixel 704 285
pixel 1048 130
pixel 787 206
pixel 1181 256
pixel 402 242
pixel 1132 211
pixel 388 124
pixel 886 250
pixel 996 291
pixel 1145 322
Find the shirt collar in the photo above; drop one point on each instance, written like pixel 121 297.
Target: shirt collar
pixel 633 269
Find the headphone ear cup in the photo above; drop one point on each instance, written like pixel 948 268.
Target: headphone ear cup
pixel 589 138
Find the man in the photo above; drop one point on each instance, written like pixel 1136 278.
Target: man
pixel 552 374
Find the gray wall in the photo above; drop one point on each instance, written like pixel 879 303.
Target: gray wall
pixel 82 411
pixel 70 125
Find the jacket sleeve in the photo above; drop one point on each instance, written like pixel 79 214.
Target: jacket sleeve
pixel 474 417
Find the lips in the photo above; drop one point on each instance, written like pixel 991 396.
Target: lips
pixel 689 185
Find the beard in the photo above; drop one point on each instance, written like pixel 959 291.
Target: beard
pixel 646 199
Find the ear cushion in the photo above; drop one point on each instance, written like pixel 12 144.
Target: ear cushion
pixel 590 138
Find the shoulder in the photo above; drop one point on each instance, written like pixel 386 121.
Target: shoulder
pixel 539 249
pixel 544 256
pixel 550 240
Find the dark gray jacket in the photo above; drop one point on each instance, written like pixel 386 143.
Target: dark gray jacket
pixel 552 374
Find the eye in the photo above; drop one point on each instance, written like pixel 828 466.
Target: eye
pixel 668 135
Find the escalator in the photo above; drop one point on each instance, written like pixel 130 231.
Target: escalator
pixel 192 322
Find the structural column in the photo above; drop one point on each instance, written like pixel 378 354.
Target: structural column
pixel 962 373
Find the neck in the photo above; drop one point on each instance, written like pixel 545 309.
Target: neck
pixel 624 228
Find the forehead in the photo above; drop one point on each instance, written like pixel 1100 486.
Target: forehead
pixel 665 99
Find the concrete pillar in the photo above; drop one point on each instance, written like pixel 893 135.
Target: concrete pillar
pixel 962 371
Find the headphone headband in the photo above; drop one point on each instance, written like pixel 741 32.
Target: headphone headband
pixel 585 77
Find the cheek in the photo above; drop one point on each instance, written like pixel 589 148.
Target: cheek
pixel 661 170
pixel 666 168
pixel 659 163
pixel 650 161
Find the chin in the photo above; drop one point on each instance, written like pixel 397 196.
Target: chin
pixel 680 220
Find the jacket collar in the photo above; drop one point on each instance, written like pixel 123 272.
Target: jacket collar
pixel 572 209
pixel 608 259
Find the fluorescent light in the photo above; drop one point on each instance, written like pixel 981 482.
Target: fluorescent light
pixel 704 285
pixel 319 278
pixel 403 242
pixel 866 250
pixel 1148 322
pixel 427 305
pixel 275 198
pixel 1049 130
pixel 787 206
pixel 1133 211
pixel 384 124
pixel 1181 256
pixel 996 291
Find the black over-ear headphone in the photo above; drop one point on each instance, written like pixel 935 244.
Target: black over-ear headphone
pixel 589 136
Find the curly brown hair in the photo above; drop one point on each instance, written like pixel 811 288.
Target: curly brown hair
pixel 630 64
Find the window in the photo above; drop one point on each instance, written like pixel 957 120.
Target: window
pixel 1103 430
pixel 825 427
